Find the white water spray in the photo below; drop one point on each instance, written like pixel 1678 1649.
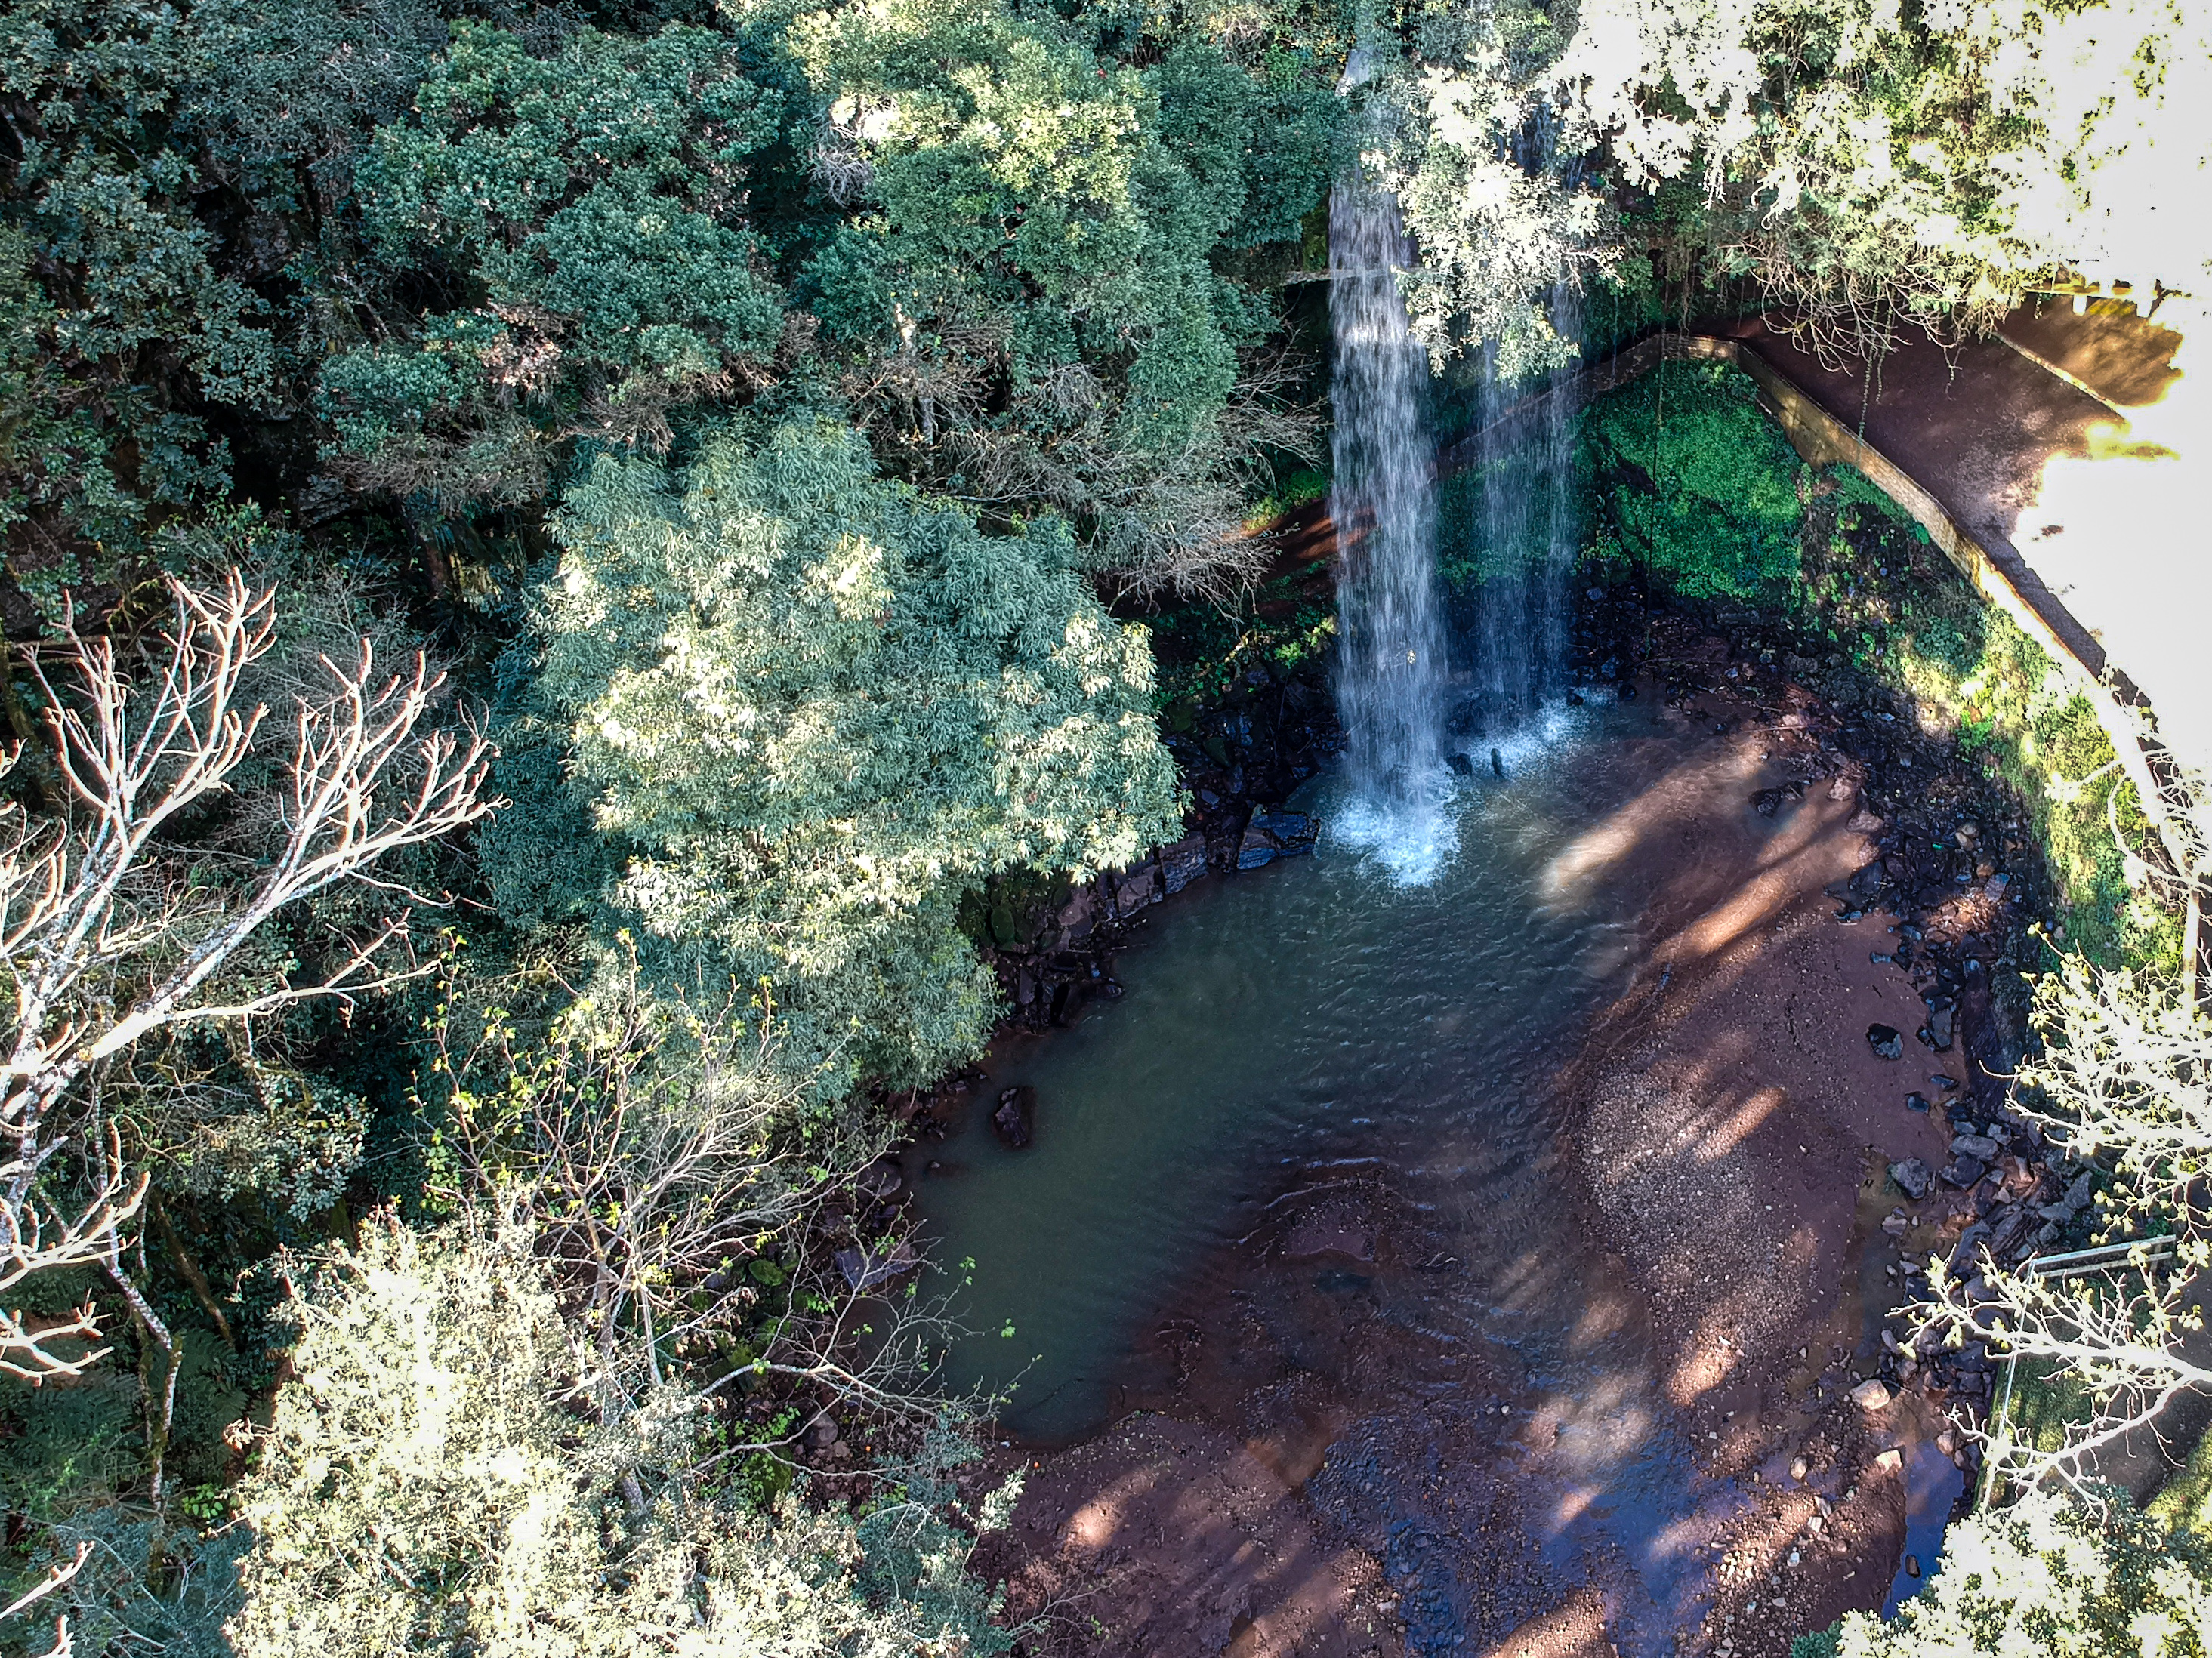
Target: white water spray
pixel 1391 667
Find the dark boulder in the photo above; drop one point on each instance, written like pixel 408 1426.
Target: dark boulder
pixel 1964 1170
pixel 1183 862
pixel 1913 1177
pixel 865 1270
pixel 1015 1119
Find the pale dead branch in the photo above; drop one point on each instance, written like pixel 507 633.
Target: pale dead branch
pixel 108 939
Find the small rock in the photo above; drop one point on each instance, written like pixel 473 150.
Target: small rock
pixel 1964 1170
pixel 1913 1565
pixel 1016 1118
pixel 1916 1102
pixel 866 1270
pixel 1872 1395
pixel 1914 1178
pixel 1975 1146
pixel 1462 766
pixel 1895 1226
pixel 1137 889
pixel 1886 1041
pixel 1890 1461
pixel 1799 1467
pixel 1183 862
pixel 1948 1084
pixel 880 1179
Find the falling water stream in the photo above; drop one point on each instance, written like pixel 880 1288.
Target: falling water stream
pixel 1392 669
pixel 1526 534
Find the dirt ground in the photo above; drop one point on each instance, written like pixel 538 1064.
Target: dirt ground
pixel 1298 1476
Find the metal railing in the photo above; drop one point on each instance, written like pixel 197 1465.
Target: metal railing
pixel 2077 1263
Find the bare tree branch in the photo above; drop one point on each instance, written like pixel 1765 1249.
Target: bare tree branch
pixel 98 912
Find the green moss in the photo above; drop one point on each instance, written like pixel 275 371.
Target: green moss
pixel 1301 488
pixel 1693 480
pixel 1876 587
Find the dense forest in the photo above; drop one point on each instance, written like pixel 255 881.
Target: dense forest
pixel 563 561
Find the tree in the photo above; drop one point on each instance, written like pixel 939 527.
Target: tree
pixel 588 211
pixel 692 1207
pixel 433 1480
pixel 1864 168
pixel 115 937
pixel 2048 1577
pixel 807 706
pixel 1031 308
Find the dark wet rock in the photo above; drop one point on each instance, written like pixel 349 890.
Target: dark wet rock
pixel 1135 889
pixel 1948 1085
pixel 1970 1242
pixel 1273 834
pixel 1256 848
pixel 1015 1119
pixel 867 1270
pixel 881 1179
pixel 1942 1014
pixel 1462 765
pixel 1879 958
pixel 1913 1177
pixel 1981 1147
pixel 1867 883
pixel 1079 913
pixel 1916 1102
pixel 1330 1229
pixel 1183 862
pixel 2012 1229
pixel 1964 1170
pixel 1497 764
pixel 1886 1041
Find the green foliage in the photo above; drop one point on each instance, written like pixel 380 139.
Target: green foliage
pixel 114 315
pixel 1690 478
pixel 1880 588
pixel 587 210
pixel 1862 166
pixel 428 1483
pixel 1033 288
pixel 1288 625
pixel 1695 480
pixel 2051 1576
pixel 808 706
pixel 147 1585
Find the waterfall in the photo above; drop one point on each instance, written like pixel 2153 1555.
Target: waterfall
pixel 1391 667
pixel 1526 530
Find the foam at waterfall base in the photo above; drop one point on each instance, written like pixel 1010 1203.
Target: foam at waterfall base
pixel 1410 840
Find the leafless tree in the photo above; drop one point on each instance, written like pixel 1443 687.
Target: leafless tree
pixel 660 1155
pixel 110 937
pixel 2124 1083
